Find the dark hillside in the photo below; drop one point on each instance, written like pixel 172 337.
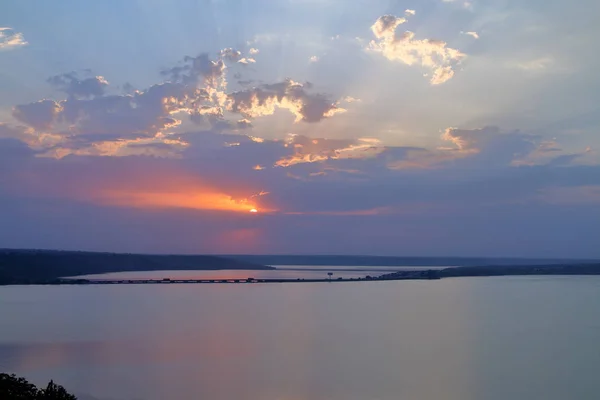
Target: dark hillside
pixel 39 266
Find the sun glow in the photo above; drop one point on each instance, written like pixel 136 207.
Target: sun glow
pixel 200 200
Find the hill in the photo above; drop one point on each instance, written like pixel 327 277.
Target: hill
pixel 45 266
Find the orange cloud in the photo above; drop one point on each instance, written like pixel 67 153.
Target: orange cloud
pixel 174 189
pixel 198 199
pixel 316 150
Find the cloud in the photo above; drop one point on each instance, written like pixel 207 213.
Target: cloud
pixel 246 61
pixel 410 12
pixel 313 59
pixel 211 180
pixel 350 99
pixel 473 34
pixel 236 56
pixel 157 146
pixel 484 148
pixel 39 115
pixel 490 143
pixel 385 26
pixel 37 141
pixel 124 160
pixel 308 150
pixel 92 122
pixel 197 198
pixel 9 39
pixel 143 183
pixel 144 113
pixel 548 152
pixel 70 84
pixel 290 95
pixel 198 69
pixel 432 54
pixel 231 54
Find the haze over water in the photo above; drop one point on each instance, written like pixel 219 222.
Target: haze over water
pixel 455 339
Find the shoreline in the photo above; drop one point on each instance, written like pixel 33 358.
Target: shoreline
pixel 425 274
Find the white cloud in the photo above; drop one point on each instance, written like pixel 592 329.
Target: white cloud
pixel 253 51
pixel 313 59
pixel 441 75
pixel 246 61
pixel 385 26
pixel 409 12
pixel 429 53
pixel 289 95
pixel 473 34
pixel 230 54
pixel 10 39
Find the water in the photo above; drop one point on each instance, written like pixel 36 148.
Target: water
pixel 282 272
pixel 453 339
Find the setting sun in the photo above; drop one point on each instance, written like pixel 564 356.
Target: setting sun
pixel 253 210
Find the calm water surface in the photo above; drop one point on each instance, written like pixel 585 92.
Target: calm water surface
pixel 282 272
pixel 454 339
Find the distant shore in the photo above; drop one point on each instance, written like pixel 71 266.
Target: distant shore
pixel 42 267
pixel 429 274
pixel 22 267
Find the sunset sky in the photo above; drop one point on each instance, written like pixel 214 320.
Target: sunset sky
pixel 431 127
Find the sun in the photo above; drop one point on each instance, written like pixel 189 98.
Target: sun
pixel 253 210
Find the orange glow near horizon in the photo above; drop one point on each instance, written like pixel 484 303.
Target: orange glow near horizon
pixel 198 200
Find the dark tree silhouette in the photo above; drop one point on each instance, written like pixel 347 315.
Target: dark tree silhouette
pixel 14 388
pixel 55 392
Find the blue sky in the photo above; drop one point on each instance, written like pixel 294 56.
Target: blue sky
pixel 352 127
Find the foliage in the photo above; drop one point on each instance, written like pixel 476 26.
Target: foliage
pixel 15 388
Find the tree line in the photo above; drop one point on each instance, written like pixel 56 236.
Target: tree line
pixel 15 388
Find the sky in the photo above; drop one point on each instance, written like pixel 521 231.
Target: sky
pixel 376 127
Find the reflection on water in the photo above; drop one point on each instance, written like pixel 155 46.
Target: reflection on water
pixel 454 339
pixel 282 272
